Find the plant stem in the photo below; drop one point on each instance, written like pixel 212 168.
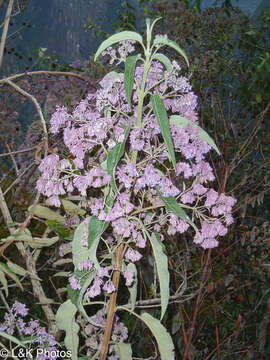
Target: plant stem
pixel 141 94
pixel 112 303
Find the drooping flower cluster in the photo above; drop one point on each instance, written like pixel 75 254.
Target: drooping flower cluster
pixel 38 335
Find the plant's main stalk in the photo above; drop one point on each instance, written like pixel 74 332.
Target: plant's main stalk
pixel 112 303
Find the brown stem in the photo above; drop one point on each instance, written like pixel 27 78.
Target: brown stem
pixel 216 325
pixel 112 302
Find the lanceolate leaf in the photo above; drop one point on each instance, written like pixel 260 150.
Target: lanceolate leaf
pixel 43 242
pixel 149 29
pixel 148 32
pixel 122 36
pixel 133 289
pixel 172 44
pixel 124 351
pixel 65 319
pixel 73 295
pixel 12 338
pixel 153 24
pixel 164 340
pixel 95 230
pixel 3 281
pixel 129 75
pixel 24 235
pixel 79 251
pixel 164 60
pixel 163 121
pixel 59 229
pixel 114 156
pixel 10 274
pixel 182 121
pixel 173 206
pixel 21 271
pixel 71 208
pixel 44 213
pixel 162 270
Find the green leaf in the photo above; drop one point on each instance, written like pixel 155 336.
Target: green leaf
pixel 114 156
pixel 73 295
pixel 44 213
pixel 164 60
pixel 96 229
pixel 164 340
pixel 62 261
pixel 71 208
pixel 122 36
pixel 59 229
pixel 133 289
pixel 38 243
pixel 149 30
pixel 12 338
pixel 79 252
pixel 164 41
pixel 124 351
pixel 62 273
pixel 11 274
pixel 161 260
pixel 182 121
pixel 24 235
pixel 17 269
pixel 173 206
pixel 163 121
pixel 4 282
pixel 65 320
pixel 129 75
pixel 21 271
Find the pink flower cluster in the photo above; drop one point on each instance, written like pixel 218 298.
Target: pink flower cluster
pixel 98 123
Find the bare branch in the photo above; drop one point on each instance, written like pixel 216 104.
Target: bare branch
pixel 12 159
pixel 42 72
pixel 18 151
pixel 18 178
pixel 34 100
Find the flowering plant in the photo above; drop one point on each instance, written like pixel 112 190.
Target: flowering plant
pixel 136 161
